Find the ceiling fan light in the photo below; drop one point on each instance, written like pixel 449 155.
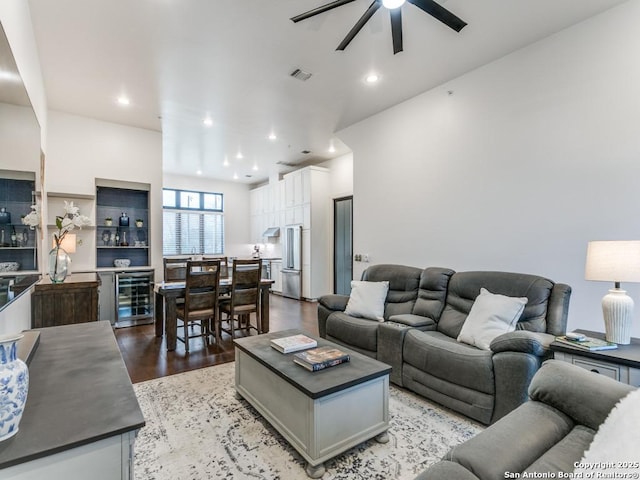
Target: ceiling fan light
pixel 391 4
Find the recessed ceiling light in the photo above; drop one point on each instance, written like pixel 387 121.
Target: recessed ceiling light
pixel 226 162
pixel 124 100
pixel 199 172
pixel 272 136
pixel 239 156
pixel 235 176
pixel 207 121
pixel 255 167
pixel 372 78
pixel 332 149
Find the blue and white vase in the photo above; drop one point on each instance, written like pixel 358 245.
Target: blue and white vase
pixel 14 385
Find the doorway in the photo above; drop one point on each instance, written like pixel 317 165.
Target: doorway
pixel 342 245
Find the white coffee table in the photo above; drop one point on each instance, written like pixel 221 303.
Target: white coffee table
pixel 321 414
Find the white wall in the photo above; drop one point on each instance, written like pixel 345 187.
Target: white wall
pixel 16 22
pixel 236 208
pixel 17 316
pixel 530 158
pixel 341 175
pixel 341 183
pixel 20 139
pixel 81 149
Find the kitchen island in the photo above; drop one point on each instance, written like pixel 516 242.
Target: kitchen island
pixel 81 416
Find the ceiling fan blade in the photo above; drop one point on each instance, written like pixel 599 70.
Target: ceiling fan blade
pixel 373 8
pixel 396 29
pixel 440 13
pixel 321 9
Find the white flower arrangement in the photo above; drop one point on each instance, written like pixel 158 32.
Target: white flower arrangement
pixel 70 220
pixel 32 219
pixel 64 223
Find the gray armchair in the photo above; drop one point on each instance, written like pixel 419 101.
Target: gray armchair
pixel 547 434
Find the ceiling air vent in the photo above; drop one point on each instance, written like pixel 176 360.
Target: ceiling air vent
pixel 306 152
pixel 301 74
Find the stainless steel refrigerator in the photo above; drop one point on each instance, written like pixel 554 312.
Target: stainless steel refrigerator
pixel 292 262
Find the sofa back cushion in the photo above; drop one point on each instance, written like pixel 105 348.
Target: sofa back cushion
pixel 403 286
pixel 432 292
pixel 464 287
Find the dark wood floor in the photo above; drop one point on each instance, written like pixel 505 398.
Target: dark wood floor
pixel 146 355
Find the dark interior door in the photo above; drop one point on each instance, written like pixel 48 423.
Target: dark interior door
pixel 343 245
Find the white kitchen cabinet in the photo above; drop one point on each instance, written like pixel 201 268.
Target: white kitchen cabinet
pixel 253 202
pixel 294 194
pixel 294 215
pixel 311 207
pixel 107 297
pixel 276 276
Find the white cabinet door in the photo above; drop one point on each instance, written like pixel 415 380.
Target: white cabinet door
pixel 289 196
pixel 253 202
pixel 276 276
pixel 107 297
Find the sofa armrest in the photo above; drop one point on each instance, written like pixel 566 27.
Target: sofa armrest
pixel 415 321
pixel 334 302
pixel 585 396
pixel 523 341
pixel 448 470
pixel 327 304
pixel 390 345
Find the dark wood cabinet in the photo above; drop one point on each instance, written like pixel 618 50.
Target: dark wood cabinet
pixel 73 301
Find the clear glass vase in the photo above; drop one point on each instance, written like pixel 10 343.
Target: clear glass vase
pixel 58 264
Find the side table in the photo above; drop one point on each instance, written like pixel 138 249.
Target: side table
pixel 73 301
pixel 622 363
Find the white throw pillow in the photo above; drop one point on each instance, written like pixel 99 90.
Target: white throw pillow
pixel 491 315
pixel 615 443
pixel 367 300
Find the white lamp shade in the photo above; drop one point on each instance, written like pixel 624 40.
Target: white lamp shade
pixel 68 243
pixel 613 261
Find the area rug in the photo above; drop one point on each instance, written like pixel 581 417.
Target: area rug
pixel 197 429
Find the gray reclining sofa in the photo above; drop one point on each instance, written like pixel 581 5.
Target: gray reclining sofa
pixel 542 437
pixel 424 313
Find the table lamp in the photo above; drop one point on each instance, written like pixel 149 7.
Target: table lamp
pixel 615 261
pixel 68 243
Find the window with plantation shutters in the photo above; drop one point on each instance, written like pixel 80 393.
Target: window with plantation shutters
pixel 193 223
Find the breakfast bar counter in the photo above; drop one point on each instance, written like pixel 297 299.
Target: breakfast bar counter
pixel 81 415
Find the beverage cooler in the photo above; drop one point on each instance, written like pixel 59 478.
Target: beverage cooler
pixel 134 298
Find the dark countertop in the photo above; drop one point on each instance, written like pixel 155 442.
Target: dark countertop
pixel 73 280
pixel 13 286
pixel 628 355
pixel 313 384
pixel 79 393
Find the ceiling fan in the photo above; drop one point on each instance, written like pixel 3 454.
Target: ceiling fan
pixel 429 6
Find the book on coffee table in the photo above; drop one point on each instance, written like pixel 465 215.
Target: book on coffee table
pixel 320 358
pixel 293 343
pixel 589 344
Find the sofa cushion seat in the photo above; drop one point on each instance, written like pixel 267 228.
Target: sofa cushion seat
pixel 443 357
pixel 358 332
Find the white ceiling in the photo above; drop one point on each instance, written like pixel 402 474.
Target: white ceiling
pixel 182 60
